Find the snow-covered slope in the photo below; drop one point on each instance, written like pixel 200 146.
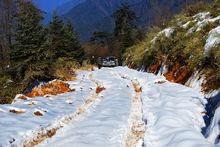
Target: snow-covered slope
pixel 133 109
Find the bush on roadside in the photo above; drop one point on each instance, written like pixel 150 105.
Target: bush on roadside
pixel 64 69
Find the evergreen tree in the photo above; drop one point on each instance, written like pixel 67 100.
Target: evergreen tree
pixel 124 26
pixel 55 39
pixel 29 35
pixel 62 42
pixel 73 49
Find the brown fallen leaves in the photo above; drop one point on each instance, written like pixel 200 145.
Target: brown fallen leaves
pixel 137 87
pixel 99 89
pixel 51 88
pixel 38 113
pixel 17 111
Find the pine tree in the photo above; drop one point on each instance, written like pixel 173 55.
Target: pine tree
pixel 55 39
pixel 73 48
pixel 7 9
pixel 63 41
pixel 29 35
pixel 124 26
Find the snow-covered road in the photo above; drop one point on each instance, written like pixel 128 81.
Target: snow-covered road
pixel 133 109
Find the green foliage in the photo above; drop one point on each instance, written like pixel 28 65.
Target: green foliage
pixel 214 9
pixel 29 35
pixel 195 8
pixel 211 70
pixel 62 41
pixel 100 38
pixel 39 53
pixel 64 69
pixel 141 52
pixel 124 26
pixel 8 88
pixel 73 49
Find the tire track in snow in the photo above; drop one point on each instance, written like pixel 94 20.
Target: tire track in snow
pixel 135 134
pixel 47 132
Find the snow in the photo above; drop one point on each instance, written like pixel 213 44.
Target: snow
pixel 214 129
pixel 201 20
pixel 185 26
pixel 106 122
pixel 213 39
pixel 201 15
pixel 195 82
pixel 17 127
pixel 161 114
pixel 205 22
pixel 167 32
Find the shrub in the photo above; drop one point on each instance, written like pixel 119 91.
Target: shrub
pixel 64 69
pixel 8 89
pixel 214 9
pixel 195 8
pixel 138 53
pixel 211 70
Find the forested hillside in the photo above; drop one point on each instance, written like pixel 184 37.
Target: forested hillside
pixel 96 15
pixel 32 52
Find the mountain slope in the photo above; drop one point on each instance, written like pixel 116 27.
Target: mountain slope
pixel 64 8
pixel 96 15
pixel 59 6
pixel 49 5
pixel 186 49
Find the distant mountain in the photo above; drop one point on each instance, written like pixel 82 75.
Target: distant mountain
pixel 66 7
pixel 50 5
pixel 59 6
pixel 96 15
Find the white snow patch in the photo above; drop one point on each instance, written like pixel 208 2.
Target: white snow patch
pixel 167 32
pixel 205 22
pixel 201 20
pixel 213 39
pixel 186 24
pixel 201 15
pixel 213 132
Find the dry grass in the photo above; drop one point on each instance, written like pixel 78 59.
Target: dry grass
pixel 66 75
pixel 88 67
pixel 137 87
pixel 99 89
pixel 52 88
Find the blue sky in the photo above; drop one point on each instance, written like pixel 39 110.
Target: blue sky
pixel 50 5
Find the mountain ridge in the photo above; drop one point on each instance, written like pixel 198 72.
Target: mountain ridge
pixel 90 15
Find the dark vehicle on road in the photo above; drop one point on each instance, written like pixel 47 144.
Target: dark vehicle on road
pixel 109 61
